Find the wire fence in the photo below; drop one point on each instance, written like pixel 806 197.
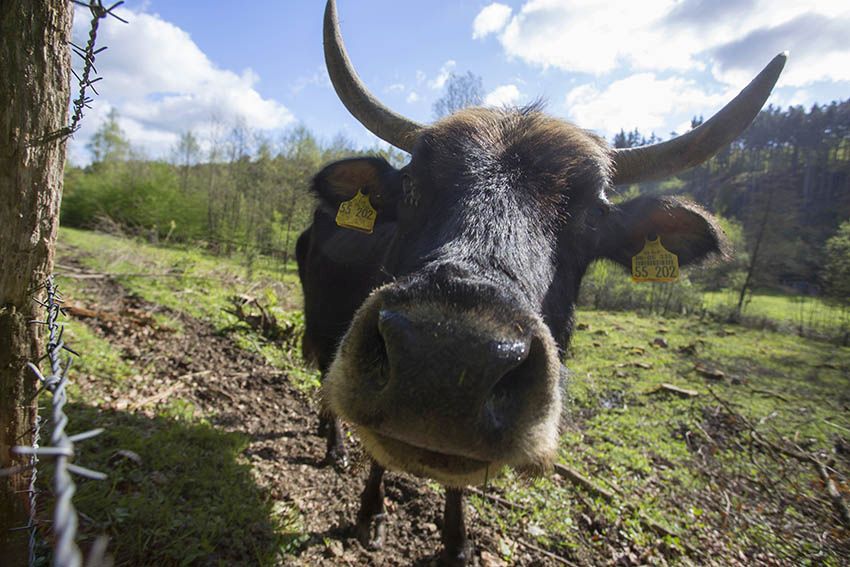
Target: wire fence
pixel 62 445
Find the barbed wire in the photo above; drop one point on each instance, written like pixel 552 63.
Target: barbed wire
pixel 85 80
pixel 61 448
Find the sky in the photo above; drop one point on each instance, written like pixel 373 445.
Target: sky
pixel 206 65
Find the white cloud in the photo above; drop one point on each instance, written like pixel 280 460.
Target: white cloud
pixel 732 38
pixel 491 19
pixel 395 88
pixel 504 95
pixel 641 101
pixel 161 84
pixel 412 97
pixel 445 72
pixel 319 78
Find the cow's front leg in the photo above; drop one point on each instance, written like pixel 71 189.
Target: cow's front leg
pixel 457 550
pixel 372 517
pixel 330 427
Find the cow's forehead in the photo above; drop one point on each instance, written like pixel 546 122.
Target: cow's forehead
pixel 521 143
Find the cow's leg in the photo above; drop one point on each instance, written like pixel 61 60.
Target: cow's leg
pixel 457 550
pixel 372 517
pixel 330 427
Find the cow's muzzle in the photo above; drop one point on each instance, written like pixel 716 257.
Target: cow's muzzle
pixel 448 383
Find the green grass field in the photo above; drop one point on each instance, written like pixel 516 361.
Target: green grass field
pixel 687 476
pixel 798 312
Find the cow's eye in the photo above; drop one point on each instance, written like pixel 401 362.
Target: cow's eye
pixel 598 212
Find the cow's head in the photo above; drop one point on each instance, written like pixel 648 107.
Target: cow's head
pixel 452 368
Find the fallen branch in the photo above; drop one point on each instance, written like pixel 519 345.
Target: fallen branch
pixel 171 390
pixel 834 495
pixel 497 499
pixel 683 392
pixel 580 480
pixel 134 316
pixel 770 393
pixel 548 554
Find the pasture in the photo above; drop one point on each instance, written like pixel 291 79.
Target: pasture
pixel 686 441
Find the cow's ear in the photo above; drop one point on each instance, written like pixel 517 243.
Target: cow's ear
pixel 341 180
pixel 685 229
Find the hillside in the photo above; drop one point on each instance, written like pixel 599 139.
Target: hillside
pixel 686 441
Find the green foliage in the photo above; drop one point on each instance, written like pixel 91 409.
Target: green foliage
pixel 246 194
pixel 836 269
pixel 607 285
pixel 141 197
pixel 109 143
pixel 715 275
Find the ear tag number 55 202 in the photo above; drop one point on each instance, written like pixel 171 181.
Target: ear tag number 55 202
pixel 655 263
pixel 357 213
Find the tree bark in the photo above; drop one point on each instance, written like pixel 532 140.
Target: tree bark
pixel 34 90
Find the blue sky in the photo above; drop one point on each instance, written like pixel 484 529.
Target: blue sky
pixel 207 65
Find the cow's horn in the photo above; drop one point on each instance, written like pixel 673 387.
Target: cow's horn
pixel 380 120
pixel 667 158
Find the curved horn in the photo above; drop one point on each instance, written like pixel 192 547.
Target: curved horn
pixel 380 120
pixel 645 163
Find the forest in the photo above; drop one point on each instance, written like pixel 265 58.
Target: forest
pixel 782 190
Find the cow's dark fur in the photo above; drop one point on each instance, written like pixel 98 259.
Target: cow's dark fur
pixel 481 242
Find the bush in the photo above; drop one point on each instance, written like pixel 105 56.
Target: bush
pixel 607 285
pixel 141 196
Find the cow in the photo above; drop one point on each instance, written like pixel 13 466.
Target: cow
pixel 440 322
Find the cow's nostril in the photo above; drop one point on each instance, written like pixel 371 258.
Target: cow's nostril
pixel 519 358
pixel 382 374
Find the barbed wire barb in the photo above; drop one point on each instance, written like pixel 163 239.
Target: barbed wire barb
pixel 85 80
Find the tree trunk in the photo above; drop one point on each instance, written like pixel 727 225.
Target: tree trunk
pixel 34 88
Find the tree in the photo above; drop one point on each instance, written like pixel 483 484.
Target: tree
pixel 186 154
pixel 109 143
pixel 836 274
pixel 34 88
pixel 836 269
pixel 462 91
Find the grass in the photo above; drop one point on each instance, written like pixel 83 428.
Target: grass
pixel 683 470
pixel 179 492
pixel 802 313
pixel 635 440
pixel 201 285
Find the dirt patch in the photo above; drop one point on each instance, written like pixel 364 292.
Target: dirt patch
pixel 237 391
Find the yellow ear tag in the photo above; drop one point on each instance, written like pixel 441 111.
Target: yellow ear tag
pixel 655 263
pixel 357 213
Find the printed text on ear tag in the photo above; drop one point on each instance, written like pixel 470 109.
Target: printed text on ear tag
pixel 655 263
pixel 357 213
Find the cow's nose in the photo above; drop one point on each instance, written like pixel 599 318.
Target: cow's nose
pixel 464 360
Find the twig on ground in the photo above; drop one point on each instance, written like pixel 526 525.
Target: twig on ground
pixel 579 479
pixel 834 494
pixel 548 554
pixel 173 389
pixel 498 499
pixel 770 393
pixel 835 425
pixel 683 392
